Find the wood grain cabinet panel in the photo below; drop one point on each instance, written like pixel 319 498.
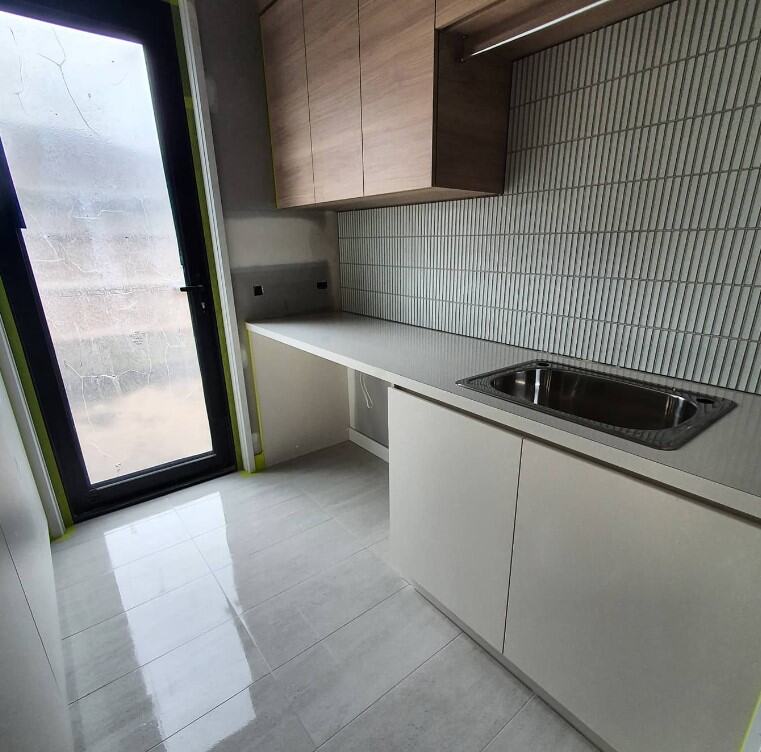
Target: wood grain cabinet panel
pixel 397 60
pixel 335 108
pixel 369 106
pixel 451 11
pixel 283 46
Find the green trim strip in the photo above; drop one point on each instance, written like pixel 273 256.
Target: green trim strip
pixel 754 726
pixel 25 376
pixel 259 463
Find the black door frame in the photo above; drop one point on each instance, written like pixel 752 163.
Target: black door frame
pixel 151 24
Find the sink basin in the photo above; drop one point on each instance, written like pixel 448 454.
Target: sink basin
pixel 657 416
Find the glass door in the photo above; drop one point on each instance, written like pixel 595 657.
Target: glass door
pixel 107 277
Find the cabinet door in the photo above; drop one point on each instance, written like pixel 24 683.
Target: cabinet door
pixel 397 54
pixel 288 102
pixel 335 108
pixel 453 482
pixel 636 609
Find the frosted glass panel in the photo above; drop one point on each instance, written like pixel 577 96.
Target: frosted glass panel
pixel 77 122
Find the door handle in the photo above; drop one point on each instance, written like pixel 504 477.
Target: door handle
pixel 192 288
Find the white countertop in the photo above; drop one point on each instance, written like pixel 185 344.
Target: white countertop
pixel 722 465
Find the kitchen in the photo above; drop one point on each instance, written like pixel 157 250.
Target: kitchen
pixel 488 281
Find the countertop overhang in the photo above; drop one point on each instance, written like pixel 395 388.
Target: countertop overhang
pixel 721 466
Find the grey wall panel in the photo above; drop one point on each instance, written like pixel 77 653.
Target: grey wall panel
pixel 630 228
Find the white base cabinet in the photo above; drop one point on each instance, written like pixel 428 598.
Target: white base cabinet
pixel 453 485
pixel 636 609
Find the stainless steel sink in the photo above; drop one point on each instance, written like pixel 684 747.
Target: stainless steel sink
pixel 654 415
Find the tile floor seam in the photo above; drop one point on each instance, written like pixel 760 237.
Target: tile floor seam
pixel 74 546
pixel 390 689
pixel 346 528
pixel 300 582
pixel 142 603
pixel 79 583
pixel 253 553
pixel 235 494
pixel 531 696
pixel 211 710
pixel 233 519
pixel 126 564
pixel 265 548
pixel 148 663
pixel 345 624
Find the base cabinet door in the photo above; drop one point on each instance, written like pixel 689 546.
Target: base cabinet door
pixel 637 609
pixel 453 483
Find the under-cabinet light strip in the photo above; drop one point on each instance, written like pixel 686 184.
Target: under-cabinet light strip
pixel 541 27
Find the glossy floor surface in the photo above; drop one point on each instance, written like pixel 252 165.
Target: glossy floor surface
pixel 261 613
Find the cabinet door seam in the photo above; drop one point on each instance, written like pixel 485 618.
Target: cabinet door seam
pixel 512 545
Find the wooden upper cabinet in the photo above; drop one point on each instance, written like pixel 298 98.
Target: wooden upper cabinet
pixel 285 71
pixel 398 54
pixel 451 11
pixel 370 105
pixel 335 109
pixel 374 103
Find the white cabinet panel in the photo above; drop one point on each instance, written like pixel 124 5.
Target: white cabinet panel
pixel 453 482
pixel 33 709
pixel 637 609
pixel 302 400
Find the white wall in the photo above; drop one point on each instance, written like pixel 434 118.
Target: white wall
pixel 257 233
pixel 33 710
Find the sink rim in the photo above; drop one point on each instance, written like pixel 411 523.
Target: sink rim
pixel 709 408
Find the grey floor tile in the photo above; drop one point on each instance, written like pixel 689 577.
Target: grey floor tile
pixel 331 490
pixel 230 483
pixel 115 647
pixel 366 515
pixel 341 676
pixel 382 549
pixel 339 473
pixel 100 526
pixel 87 603
pixel 250 533
pixel 538 728
pixel 280 629
pixel 259 719
pixel 138 711
pixel 455 702
pixel 289 623
pixel 251 580
pixel 218 508
pixel 116 548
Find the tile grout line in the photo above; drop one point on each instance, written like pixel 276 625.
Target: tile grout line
pixel 321 571
pixel 271 673
pixel 153 660
pixel 531 696
pixel 211 710
pixel 404 586
pixel 183 528
pixel 390 689
pixel 142 603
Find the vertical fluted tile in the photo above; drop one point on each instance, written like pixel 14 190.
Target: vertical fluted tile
pixel 628 232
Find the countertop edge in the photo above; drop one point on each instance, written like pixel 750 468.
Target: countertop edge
pixel 703 489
